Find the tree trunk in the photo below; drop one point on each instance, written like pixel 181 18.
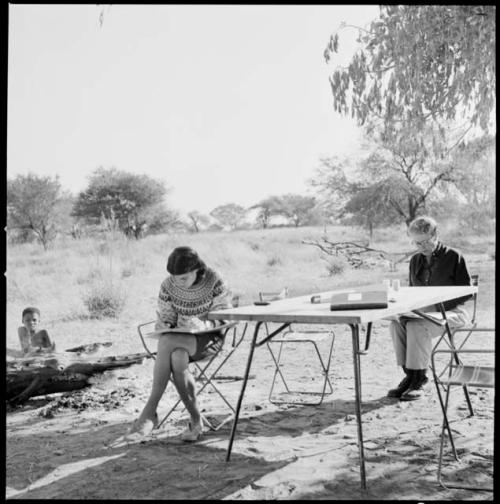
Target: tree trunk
pixel 49 373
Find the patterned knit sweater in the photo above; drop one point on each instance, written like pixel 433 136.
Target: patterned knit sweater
pixel 177 306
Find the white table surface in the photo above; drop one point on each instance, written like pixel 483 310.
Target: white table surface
pixel 301 310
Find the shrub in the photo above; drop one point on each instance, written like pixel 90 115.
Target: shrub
pixel 104 299
pixel 93 275
pixel 336 265
pixel 127 271
pixel 273 261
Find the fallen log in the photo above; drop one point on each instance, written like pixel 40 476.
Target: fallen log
pixel 50 373
pixel 90 348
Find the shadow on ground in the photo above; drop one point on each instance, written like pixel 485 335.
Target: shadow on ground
pixel 73 465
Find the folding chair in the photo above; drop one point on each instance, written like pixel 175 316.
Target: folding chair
pixel 292 337
pixel 468 329
pixel 471 374
pixel 204 366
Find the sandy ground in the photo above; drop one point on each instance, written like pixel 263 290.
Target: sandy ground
pixel 62 447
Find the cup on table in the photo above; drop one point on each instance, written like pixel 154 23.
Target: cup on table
pixel 387 283
pixel 396 284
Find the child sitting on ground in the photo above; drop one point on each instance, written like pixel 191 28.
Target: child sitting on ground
pixel 32 339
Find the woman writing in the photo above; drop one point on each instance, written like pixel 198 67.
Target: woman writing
pixel 186 296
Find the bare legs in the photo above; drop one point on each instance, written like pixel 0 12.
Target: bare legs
pixel 184 383
pixel 172 359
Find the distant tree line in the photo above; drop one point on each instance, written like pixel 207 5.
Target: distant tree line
pixel 133 204
pixel 384 187
pixel 423 88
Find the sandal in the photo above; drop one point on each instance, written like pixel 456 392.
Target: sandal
pixel 192 433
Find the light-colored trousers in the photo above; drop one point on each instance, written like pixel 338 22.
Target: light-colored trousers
pixel 412 337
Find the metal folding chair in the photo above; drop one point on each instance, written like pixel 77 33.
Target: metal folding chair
pixel 291 337
pixel 448 336
pixel 469 374
pixel 204 366
pixel 471 325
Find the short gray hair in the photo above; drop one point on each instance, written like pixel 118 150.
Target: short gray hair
pixel 423 224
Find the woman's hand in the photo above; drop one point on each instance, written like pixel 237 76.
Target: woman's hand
pixel 192 324
pixel 162 325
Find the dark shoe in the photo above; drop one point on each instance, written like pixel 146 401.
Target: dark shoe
pixel 416 389
pixel 402 387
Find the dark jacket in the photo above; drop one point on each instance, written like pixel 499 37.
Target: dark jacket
pixel 447 267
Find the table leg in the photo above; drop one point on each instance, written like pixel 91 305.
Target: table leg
pixel 357 385
pixel 242 392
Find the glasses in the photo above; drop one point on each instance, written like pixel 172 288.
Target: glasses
pixel 423 243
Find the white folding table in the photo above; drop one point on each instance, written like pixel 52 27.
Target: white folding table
pixel 300 310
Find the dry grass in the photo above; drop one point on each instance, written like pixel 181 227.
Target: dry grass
pixel 57 280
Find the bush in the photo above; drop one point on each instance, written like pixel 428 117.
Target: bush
pixel 336 265
pixel 19 236
pixel 273 261
pixel 127 271
pixel 104 299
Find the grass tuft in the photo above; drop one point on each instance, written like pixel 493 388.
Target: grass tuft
pixel 104 299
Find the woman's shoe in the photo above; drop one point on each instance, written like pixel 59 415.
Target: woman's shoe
pixel 144 428
pixel 192 433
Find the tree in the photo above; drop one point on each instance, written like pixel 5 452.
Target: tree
pixel 297 208
pixel 475 172
pixel 420 62
pixel 160 219
pixel 399 176
pixel 122 197
pixel 267 208
pixel 198 220
pixel 475 181
pixel 32 204
pixel 370 206
pixel 411 169
pixel 228 215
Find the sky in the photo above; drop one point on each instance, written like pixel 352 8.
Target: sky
pixel 222 103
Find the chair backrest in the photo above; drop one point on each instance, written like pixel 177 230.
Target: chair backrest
pixel 273 295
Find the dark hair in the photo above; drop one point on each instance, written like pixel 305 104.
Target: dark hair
pixel 183 260
pixel 30 309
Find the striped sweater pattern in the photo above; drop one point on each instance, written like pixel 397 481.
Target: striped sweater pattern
pixel 176 305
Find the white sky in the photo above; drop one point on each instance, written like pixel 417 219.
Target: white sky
pixel 224 103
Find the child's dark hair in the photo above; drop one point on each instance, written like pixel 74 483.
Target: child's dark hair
pixel 32 310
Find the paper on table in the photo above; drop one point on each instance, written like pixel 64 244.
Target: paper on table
pixel 435 315
pixel 168 330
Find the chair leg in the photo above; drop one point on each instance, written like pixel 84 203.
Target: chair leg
pixel 444 409
pixel 325 370
pixel 456 358
pixel 277 369
pixel 440 478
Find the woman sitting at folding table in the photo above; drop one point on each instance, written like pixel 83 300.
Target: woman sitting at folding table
pixel 434 264
pixel 186 296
